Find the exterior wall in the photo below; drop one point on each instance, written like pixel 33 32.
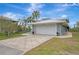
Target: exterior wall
pixel 48 29
pixel 61 29
pixel 34 28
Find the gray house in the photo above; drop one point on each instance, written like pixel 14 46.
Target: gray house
pixel 50 27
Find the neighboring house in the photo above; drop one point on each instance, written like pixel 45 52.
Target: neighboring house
pixel 50 27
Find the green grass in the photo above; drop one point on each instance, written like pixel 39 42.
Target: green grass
pixel 3 36
pixel 57 46
pixel 75 35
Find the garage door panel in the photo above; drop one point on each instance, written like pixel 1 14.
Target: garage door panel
pixel 45 29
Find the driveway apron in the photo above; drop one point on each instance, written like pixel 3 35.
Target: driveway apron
pixel 23 44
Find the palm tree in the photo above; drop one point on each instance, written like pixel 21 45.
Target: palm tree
pixel 29 19
pixel 32 18
pixel 35 15
pixel 26 21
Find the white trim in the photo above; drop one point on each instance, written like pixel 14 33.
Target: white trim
pixel 50 21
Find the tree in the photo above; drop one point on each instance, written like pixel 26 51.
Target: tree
pixel 30 19
pixel 26 21
pixel 76 27
pixel 35 15
pixel 7 26
pixel 67 20
pixel 77 24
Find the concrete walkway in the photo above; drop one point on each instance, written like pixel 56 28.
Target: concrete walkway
pixel 22 44
pixel 67 35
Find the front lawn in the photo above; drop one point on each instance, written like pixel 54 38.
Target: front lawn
pixel 57 46
pixel 4 36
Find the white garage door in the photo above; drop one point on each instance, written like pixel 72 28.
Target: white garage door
pixel 49 29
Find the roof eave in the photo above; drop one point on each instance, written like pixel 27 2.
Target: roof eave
pixel 47 23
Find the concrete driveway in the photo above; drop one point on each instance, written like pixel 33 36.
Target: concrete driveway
pixel 23 44
pixel 4 50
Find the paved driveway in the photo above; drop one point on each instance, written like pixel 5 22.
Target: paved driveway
pixel 23 44
pixel 4 50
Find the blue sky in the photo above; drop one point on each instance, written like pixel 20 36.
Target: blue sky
pixel 53 10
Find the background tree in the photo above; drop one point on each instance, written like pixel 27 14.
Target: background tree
pixel 35 15
pixel 7 26
pixel 77 24
pixel 76 27
pixel 32 18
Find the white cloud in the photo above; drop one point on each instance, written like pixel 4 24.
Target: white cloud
pixel 35 7
pixel 12 15
pixel 68 4
pixel 60 9
pixel 64 16
pixel 63 7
